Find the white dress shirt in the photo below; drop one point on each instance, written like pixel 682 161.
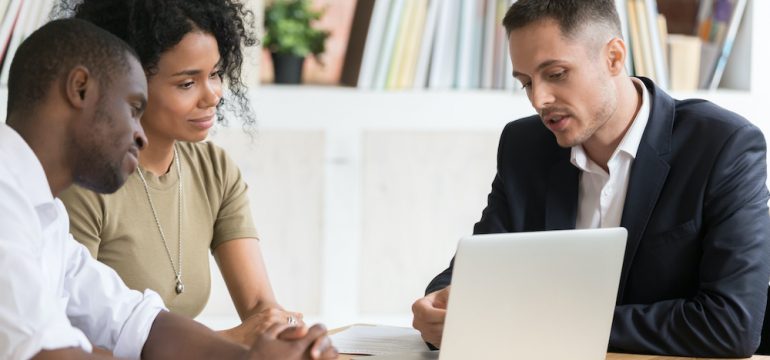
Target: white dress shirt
pixel 53 294
pixel 602 195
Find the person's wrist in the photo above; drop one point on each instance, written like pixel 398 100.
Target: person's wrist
pixel 233 335
pixel 234 350
pixel 262 306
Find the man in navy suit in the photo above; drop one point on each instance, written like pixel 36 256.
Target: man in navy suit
pixel 687 179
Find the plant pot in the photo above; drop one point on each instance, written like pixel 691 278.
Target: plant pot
pixel 287 68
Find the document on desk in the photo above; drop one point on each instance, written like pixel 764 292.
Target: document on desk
pixel 378 340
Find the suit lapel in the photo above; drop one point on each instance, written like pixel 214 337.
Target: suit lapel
pixel 562 196
pixel 648 175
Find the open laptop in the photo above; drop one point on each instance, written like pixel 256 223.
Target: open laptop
pixel 538 295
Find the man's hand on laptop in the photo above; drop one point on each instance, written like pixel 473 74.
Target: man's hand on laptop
pixel 429 314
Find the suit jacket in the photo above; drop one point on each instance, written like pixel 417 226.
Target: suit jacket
pixel 695 275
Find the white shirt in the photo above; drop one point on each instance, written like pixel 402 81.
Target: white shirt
pixel 53 294
pixel 602 195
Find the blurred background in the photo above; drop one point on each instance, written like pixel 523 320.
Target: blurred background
pixel 378 124
pixel 366 172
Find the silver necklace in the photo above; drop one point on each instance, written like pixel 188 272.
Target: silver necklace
pixel 179 285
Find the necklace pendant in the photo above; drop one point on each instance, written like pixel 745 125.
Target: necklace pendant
pixel 179 287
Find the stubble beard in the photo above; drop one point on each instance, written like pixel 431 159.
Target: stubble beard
pixel 598 119
pixel 94 169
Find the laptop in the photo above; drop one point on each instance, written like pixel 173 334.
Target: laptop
pixel 538 295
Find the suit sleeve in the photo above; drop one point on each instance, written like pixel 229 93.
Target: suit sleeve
pixel 724 318
pixel 494 219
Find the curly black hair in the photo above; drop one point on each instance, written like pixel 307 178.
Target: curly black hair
pixel 152 27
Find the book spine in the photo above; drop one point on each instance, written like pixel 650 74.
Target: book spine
pixel 383 66
pixel 373 47
pixel 727 46
pixel 359 32
pixel 444 59
pixel 404 32
pixel 427 44
pixel 415 37
pixel 656 47
pixel 488 55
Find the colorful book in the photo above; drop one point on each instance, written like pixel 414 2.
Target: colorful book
pixel 404 30
pixel 510 82
pixel 704 19
pixel 501 47
pixel 656 47
pixel 395 17
pixel 3 8
pixel 470 47
pixel 684 61
pixel 644 36
pixel 7 27
pixel 412 48
pixel 444 58
pixel 427 44
pixel 25 17
pixel 373 47
pixel 635 39
pixel 663 32
pixel 359 31
pixel 488 52
pixel 726 45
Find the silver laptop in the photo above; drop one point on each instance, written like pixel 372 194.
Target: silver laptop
pixel 538 295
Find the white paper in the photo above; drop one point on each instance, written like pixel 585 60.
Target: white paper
pixel 378 340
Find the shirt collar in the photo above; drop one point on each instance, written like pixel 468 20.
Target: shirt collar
pixel 631 140
pixel 633 137
pixel 21 161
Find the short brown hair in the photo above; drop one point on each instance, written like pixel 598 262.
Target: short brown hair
pixel 571 15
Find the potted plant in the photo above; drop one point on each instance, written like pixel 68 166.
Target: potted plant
pixel 290 37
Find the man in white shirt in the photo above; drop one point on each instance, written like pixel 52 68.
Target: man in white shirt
pixel 76 94
pixel 687 179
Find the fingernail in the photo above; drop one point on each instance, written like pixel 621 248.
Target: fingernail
pixel 316 353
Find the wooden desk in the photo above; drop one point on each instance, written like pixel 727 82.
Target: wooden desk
pixel 610 356
pixel 614 356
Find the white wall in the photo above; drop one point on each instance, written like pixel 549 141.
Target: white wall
pixel 391 183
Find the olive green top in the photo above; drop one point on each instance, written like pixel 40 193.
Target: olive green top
pixel 119 229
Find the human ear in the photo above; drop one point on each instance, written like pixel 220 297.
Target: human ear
pixel 78 87
pixel 616 56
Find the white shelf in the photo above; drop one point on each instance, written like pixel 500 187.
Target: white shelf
pixel 317 107
pixel 322 107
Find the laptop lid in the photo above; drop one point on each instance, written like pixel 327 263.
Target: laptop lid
pixel 538 295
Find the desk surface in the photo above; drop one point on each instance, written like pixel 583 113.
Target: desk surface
pixel 614 356
pixel 610 356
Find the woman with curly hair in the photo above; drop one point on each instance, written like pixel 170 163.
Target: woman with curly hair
pixel 187 197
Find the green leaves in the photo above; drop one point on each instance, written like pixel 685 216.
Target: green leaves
pixel 289 31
